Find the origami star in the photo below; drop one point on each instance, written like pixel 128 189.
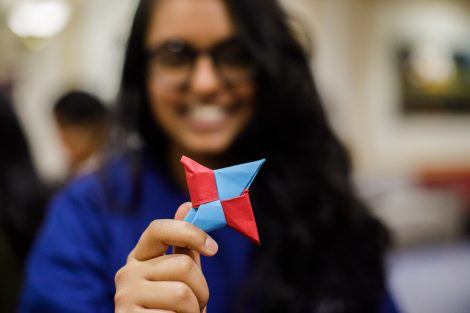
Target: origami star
pixel 220 197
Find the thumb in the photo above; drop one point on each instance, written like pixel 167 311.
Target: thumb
pixel 180 215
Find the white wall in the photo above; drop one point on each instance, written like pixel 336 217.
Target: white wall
pixel 412 144
pixel 355 43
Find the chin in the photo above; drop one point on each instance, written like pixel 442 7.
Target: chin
pixel 208 147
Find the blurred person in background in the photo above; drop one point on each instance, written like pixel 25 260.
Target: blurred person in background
pixel 83 125
pixel 22 199
pixel 223 82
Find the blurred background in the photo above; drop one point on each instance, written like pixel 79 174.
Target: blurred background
pixel 395 79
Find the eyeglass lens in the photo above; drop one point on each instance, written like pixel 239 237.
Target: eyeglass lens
pixel 173 61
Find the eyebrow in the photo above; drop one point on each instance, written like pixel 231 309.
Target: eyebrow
pixel 153 50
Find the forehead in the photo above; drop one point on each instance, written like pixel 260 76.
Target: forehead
pixel 200 22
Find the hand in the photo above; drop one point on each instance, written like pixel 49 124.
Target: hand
pixel 152 281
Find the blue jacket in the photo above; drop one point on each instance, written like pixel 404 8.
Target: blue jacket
pixel 87 236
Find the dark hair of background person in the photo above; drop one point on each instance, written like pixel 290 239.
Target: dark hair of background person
pixel 322 252
pixel 83 123
pixel 22 200
pixel 80 108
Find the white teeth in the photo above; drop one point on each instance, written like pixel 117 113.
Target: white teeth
pixel 207 113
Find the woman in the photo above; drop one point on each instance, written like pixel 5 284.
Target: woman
pixel 222 82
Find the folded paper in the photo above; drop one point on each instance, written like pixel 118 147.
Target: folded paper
pixel 220 197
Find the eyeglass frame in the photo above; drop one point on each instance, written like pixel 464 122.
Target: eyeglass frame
pixel 195 55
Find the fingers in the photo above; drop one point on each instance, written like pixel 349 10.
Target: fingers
pixel 144 310
pixel 173 296
pixel 178 267
pixel 154 282
pixel 183 210
pixel 164 233
pixel 180 215
pixel 191 253
pixel 189 291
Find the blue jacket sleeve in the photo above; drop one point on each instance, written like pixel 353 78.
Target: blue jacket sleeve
pixel 388 305
pixel 67 270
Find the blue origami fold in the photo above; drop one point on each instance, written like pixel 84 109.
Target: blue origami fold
pixel 220 197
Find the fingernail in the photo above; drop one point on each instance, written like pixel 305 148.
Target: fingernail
pixel 211 245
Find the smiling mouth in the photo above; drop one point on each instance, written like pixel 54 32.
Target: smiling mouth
pixel 207 117
pixel 207 113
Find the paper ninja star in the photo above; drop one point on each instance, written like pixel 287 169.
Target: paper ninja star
pixel 220 197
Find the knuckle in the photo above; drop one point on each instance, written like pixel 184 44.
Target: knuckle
pixel 126 274
pixel 155 227
pixel 120 298
pixel 197 236
pixel 182 292
pixel 185 263
pixel 205 296
pixel 187 228
pixel 120 275
pixel 130 256
pixel 123 307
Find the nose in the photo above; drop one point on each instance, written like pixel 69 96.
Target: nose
pixel 205 79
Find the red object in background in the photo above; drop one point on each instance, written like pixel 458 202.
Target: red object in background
pixel 455 180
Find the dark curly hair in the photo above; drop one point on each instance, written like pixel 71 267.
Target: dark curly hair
pixel 322 250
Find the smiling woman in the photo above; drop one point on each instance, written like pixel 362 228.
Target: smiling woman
pixel 223 82
pixel 195 52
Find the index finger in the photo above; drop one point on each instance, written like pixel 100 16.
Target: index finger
pixel 180 214
pixel 161 234
pixel 183 210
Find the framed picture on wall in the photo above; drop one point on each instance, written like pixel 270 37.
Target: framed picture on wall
pixel 434 79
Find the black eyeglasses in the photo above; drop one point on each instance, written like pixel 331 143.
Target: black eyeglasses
pixel 172 62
